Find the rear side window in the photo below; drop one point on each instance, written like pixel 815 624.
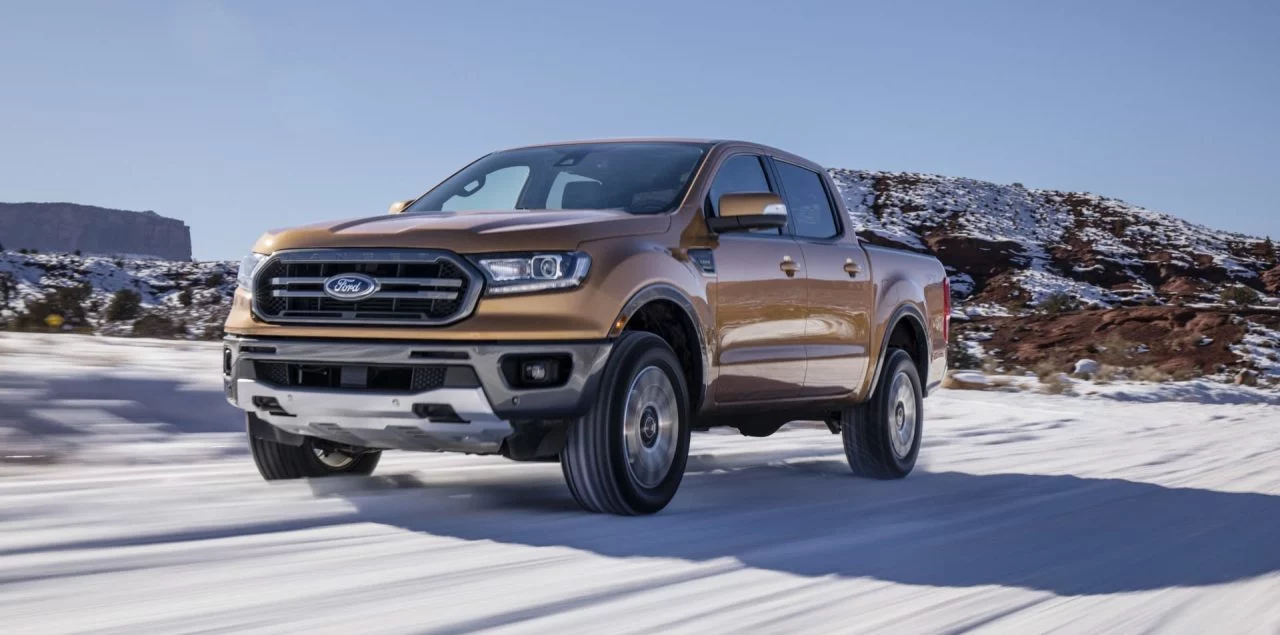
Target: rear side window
pixel 807 202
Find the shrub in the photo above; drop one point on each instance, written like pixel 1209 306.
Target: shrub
pixel 1239 295
pixel 1056 303
pixel 215 281
pixel 77 252
pixel 8 288
pixel 214 299
pixel 184 297
pixel 960 357
pixel 125 305
pixel 153 325
pixel 67 302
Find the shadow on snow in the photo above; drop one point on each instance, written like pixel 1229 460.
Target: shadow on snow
pixel 1064 534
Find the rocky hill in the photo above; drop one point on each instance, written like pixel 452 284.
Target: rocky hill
pixel 1048 277
pixel 1010 247
pixel 67 227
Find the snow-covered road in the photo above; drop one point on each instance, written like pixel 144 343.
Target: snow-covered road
pixel 134 508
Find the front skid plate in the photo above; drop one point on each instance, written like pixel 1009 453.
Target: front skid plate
pixel 380 420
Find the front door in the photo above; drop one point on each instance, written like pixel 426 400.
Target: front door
pixel 760 299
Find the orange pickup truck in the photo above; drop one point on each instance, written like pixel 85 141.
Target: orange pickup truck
pixel 591 303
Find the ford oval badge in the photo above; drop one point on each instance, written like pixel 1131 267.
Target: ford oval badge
pixel 350 286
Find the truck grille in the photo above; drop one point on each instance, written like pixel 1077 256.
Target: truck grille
pixel 414 287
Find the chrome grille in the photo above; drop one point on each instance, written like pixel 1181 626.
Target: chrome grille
pixel 414 287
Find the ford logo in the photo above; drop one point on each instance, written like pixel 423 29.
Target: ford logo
pixel 350 286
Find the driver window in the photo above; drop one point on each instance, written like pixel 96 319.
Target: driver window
pixel 497 190
pixel 740 174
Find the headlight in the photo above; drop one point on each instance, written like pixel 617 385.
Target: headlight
pixel 527 273
pixel 244 278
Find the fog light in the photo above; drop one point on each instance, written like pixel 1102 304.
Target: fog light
pixel 536 372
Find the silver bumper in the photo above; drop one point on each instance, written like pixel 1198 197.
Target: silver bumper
pixel 389 420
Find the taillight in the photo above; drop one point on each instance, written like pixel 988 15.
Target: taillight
pixel 946 308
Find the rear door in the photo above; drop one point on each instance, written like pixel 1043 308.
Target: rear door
pixel 760 298
pixel 838 283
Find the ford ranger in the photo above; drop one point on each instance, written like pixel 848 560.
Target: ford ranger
pixel 591 303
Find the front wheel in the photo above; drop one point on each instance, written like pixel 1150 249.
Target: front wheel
pixel 312 459
pixel 882 436
pixel 627 455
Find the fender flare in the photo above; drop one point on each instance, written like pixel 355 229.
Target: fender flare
pixel 664 291
pixel 904 312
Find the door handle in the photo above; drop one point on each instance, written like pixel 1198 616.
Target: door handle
pixel 789 266
pixel 852 268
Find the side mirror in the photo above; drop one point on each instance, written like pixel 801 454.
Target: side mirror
pixel 741 212
pixel 398 206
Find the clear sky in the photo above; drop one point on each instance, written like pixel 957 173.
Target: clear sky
pixel 241 116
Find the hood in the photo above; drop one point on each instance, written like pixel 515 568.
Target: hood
pixel 467 232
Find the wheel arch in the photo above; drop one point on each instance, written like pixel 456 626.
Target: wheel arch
pixel 658 298
pixel 904 329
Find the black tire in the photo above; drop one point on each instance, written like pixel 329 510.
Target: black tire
pixel 277 461
pixel 869 429
pixel 595 457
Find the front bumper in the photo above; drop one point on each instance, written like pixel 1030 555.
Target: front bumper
pixel 485 414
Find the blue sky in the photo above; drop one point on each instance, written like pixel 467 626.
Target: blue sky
pixel 241 116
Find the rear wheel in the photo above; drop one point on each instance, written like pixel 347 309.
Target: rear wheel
pixel 313 459
pixel 882 436
pixel 627 455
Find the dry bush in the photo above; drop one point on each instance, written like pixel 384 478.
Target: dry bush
pixel 1151 374
pixel 1108 373
pixel 1057 303
pixel 1056 384
pixel 1049 368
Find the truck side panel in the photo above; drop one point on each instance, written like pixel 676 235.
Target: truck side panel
pixel 908 286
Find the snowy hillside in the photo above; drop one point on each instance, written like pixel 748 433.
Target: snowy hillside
pixel 1010 246
pixel 28 279
pixel 137 510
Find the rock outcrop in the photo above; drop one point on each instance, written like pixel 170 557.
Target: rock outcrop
pixel 68 227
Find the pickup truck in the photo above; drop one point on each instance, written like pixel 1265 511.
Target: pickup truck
pixel 590 303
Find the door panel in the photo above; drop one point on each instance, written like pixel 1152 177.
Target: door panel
pixel 760 318
pixel 839 290
pixel 838 325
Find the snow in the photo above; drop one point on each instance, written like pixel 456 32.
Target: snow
pixel 1087 367
pixel 1260 349
pixel 1027 513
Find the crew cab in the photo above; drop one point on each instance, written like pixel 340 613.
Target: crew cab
pixel 591 303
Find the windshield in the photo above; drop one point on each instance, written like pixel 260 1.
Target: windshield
pixel 640 178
